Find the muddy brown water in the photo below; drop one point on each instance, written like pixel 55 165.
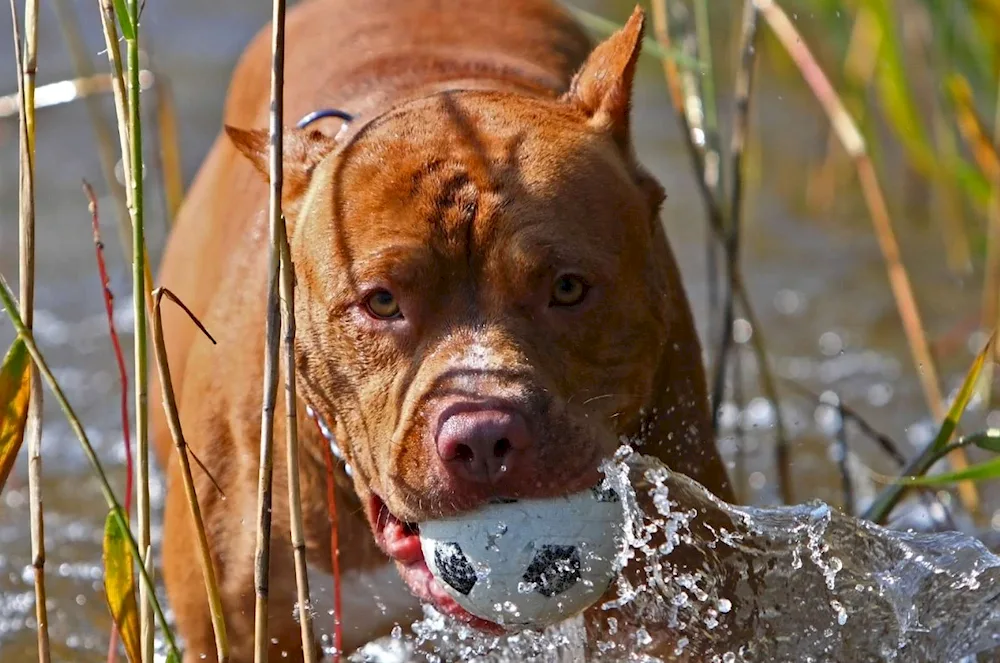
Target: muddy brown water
pixel 817 280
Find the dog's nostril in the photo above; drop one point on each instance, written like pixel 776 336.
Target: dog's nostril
pixel 464 453
pixel 501 448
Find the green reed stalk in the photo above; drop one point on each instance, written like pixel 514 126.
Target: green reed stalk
pixel 139 289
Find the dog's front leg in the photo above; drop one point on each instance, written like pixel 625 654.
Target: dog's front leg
pixel 232 542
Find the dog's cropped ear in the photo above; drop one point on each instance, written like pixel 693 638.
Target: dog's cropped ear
pixel 302 151
pixel 602 88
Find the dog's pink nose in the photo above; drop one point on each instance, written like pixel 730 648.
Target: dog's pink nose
pixel 482 445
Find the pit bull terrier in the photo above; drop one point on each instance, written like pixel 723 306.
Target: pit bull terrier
pixel 486 301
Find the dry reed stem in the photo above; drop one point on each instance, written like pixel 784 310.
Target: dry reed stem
pixel 84 68
pixel 679 98
pixel 859 68
pixel 262 555
pixel 7 300
pixel 731 238
pixel 169 152
pixel 687 105
pixel 180 444
pixel 27 60
pixel 852 140
pixel 292 450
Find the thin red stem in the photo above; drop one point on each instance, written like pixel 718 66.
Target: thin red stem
pixel 109 309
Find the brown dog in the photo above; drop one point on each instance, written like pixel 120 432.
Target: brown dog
pixel 486 300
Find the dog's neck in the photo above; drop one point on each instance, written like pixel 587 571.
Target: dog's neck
pixel 330 439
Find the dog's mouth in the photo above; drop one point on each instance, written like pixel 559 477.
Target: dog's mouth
pixel 401 542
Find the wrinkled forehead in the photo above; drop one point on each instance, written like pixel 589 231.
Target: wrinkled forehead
pixel 477 166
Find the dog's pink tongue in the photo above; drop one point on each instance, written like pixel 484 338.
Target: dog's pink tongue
pixel 401 542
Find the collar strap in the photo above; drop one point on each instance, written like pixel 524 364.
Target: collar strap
pixel 328 435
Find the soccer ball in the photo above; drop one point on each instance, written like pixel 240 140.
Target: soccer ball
pixel 528 563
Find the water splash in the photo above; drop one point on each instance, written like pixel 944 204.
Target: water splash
pixel 708 581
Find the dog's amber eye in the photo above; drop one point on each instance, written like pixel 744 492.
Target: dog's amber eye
pixel 383 304
pixel 569 290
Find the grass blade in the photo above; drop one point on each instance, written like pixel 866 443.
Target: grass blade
pixel 989 441
pixel 128 23
pixel 968 388
pixel 979 472
pixel 14 389
pixel 972 128
pixel 125 22
pixel 119 587
pixel 887 499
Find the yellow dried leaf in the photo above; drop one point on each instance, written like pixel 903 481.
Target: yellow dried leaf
pixel 119 585
pixel 14 382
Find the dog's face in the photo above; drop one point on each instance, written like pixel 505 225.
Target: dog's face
pixel 478 305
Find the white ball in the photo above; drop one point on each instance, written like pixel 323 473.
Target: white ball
pixel 528 563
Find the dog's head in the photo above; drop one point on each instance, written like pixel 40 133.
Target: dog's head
pixel 479 306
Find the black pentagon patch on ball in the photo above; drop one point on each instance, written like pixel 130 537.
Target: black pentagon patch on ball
pixel 454 568
pixel 605 494
pixel 554 569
